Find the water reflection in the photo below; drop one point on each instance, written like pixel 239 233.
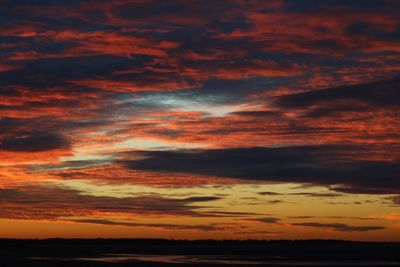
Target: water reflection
pixel 218 259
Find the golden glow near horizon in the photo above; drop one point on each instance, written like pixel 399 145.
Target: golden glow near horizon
pixel 240 211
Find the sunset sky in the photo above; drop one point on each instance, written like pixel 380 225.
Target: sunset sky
pixel 197 119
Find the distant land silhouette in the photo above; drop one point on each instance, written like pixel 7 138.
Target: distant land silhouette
pixel 161 252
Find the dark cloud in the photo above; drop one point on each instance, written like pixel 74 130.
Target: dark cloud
pixel 330 217
pixel 356 4
pixel 49 202
pixel 258 113
pixel 34 143
pixel 104 222
pixel 322 165
pixel 228 213
pixel 396 200
pixel 308 194
pixel 144 11
pixel 201 199
pixel 48 72
pixel 9 193
pixel 272 220
pixel 318 195
pixel 303 217
pixel 275 201
pixel 341 227
pixel 267 193
pixel 258 233
pixel 367 97
pixel 152 225
pixel 41 2
pixel 46 125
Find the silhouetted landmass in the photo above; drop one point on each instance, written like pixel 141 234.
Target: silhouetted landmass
pixel 160 252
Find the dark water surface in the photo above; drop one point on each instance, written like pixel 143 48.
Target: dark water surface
pixel 215 260
pixel 132 252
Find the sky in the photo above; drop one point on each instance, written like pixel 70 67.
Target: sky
pixel 228 119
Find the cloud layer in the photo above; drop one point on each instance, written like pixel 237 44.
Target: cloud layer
pixel 187 94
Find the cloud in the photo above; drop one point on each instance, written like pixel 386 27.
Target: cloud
pixel 257 113
pixel 165 226
pixel 308 194
pixel 201 199
pixel 228 213
pixel 33 143
pixel 56 203
pixel 321 165
pixel 267 193
pixel 365 97
pixel 318 195
pixel 44 73
pixel 341 227
pixel 356 5
pixel 396 200
pixel 268 220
